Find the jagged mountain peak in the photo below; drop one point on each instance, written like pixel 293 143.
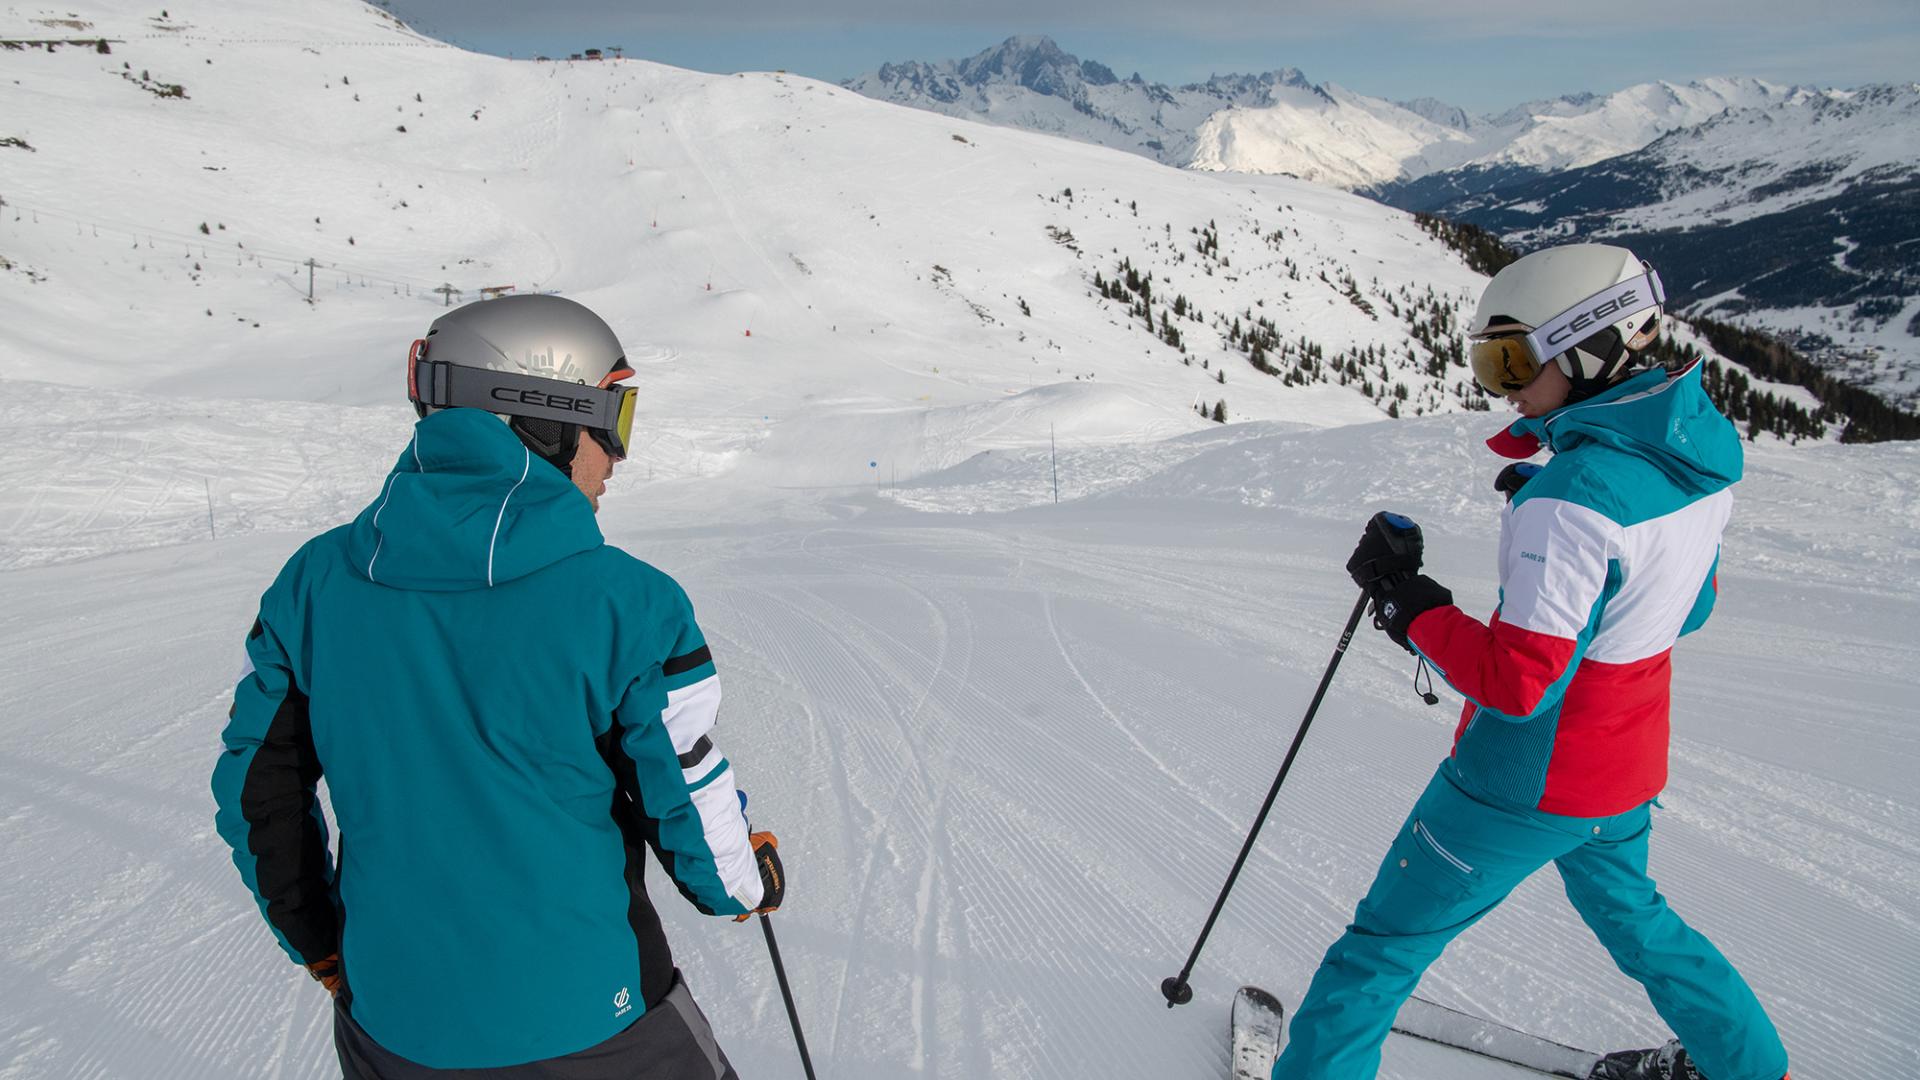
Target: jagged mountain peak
pixel 1032 62
pixel 1017 59
pixel 1440 112
pixel 1287 76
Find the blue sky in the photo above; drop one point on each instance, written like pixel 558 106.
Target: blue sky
pixel 1481 54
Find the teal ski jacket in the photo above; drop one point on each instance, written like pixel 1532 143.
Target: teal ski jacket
pixel 506 711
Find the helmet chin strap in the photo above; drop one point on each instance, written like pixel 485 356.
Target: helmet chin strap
pixel 560 454
pixel 1611 367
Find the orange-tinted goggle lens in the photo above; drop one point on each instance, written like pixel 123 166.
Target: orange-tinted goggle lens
pixel 1503 364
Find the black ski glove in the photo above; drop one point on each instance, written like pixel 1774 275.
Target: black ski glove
pixel 1390 548
pixel 1386 564
pixel 1396 606
pixel 1514 477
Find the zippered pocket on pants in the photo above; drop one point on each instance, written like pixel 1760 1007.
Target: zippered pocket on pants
pixel 1420 828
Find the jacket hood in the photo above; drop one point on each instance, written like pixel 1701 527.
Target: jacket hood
pixel 467 506
pixel 1666 419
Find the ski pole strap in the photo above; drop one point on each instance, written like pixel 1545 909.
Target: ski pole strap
pixel 441 385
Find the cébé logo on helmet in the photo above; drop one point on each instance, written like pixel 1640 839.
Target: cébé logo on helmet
pixel 541 397
pixel 1588 318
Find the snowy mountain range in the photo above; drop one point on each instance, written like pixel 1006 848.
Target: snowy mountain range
pixel 1029 83
pixel 1802 216
pixel 1713 177
pixel 1280 122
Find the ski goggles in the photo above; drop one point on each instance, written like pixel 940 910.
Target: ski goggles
pixel 1507 358
pixel 606 411
pixel 1503 365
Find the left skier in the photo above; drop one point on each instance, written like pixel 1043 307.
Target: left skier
pixel 1607 556
pixel 507 710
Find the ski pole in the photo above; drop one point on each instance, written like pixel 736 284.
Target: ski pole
pixel 1175 987
pixel 786 993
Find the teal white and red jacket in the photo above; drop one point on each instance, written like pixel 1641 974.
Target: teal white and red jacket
pixel 1607 557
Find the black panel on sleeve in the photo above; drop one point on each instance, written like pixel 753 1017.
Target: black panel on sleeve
pixel 636 833
pixel 680 665
pixel 277 800
pixel 701 748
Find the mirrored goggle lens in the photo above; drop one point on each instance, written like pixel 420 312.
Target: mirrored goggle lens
pixel 1503 364
pixel 623 420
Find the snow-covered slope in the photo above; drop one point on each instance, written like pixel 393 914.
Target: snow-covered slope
pixel 1010 755
pixel 756 238
pixel 1353 141
pixel 1328 134
pixel 1581 129
pixel 957 723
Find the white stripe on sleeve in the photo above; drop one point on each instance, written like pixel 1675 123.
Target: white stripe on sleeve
pixel 691 712
pixel 726 832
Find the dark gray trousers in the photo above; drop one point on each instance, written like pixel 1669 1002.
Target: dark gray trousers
pixel 671 1041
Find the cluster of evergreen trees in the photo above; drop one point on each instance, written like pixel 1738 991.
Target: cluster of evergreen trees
pixel 1869 417
pixel 1434 324
pixel 1482 250
pixel 1135 290
pixel 1732 392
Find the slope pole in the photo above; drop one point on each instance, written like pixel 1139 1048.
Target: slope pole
pixel 1175 987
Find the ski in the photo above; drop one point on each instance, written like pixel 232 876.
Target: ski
pixel 1258 1019
pixel 1423 1019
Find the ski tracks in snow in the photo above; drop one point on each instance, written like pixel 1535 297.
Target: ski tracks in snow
pixel 1011 760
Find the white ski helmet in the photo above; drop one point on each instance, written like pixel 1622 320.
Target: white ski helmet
pixel 1586 307
pixel 507 355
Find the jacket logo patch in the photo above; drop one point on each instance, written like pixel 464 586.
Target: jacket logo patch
pixel 1533 556
pixel 622 1003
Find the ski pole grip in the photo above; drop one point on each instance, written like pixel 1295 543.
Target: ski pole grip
pixel 1402 536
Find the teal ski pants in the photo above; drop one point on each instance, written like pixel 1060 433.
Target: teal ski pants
pixel 1453 861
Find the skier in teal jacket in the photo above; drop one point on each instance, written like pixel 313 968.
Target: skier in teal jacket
pixel 507 712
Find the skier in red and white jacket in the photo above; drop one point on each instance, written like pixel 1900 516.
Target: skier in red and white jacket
pixel 1608 555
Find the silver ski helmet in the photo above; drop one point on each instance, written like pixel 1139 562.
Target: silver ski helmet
pixel 1586 307
pixel 546 365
